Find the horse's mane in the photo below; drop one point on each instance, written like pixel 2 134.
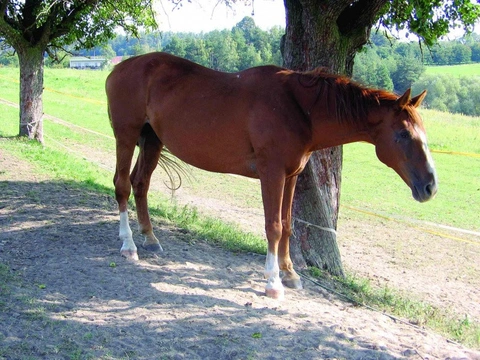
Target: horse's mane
pixel 347 100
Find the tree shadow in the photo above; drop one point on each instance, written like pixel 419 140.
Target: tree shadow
pixel 74 296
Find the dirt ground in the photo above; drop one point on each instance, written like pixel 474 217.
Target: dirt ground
pixel 70 295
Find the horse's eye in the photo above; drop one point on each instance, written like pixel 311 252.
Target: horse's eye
pixel 404 135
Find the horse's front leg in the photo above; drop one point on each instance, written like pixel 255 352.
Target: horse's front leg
pixel 272 193
pixel 290 278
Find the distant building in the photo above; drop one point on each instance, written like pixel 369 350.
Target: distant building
pixel 82 62
pixel 116 60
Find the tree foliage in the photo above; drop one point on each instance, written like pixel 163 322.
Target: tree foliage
pixel 429 20
pixel 244 45
pixel 455 94
pixel 53 24
pixel 35 27
pixel 394 65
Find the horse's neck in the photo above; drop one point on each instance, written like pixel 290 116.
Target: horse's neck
pixel 327 129
pixel 328 132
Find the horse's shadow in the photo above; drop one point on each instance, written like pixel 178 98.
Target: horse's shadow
pixel 193 301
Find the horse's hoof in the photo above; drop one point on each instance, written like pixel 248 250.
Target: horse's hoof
pixel 275 289
pixel 292 282
pixel 277 294
pixel 129 254
pixel 155 247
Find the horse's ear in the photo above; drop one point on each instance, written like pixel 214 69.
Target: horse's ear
pixel 417 100
pixel 403 100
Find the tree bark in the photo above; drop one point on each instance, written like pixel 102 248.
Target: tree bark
pixel 315 213
pixel 327 34
pixel 31 90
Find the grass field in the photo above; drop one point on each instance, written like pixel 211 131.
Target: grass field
pixel 78 97
pixel 457 70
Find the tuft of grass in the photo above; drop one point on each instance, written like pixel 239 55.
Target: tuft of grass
pixel 6 278
pixel 208 228
pixel 416 312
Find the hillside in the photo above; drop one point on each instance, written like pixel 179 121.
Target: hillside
pixel 457 70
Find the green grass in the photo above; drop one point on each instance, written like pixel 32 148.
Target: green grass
pixel 452 132
pixel 8 127
pixel 456 70
pixel 71 95
pixel 391 301
pixel 6 278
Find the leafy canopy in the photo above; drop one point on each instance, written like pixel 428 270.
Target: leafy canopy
pixel 56 23
pixel 428 19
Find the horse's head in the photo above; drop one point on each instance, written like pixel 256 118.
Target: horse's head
pixel 401 143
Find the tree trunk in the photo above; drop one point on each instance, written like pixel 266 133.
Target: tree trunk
pixel 315 213
pixel 31 90
pixel 326 34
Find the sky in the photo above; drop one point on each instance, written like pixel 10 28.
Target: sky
pixel 207 15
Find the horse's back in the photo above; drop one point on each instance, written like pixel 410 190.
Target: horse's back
pixel 161 68
pixel 138 71
pixel 132 77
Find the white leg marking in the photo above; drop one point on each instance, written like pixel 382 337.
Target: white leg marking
pixel 274 286
pixel 271 266
pixel 128 249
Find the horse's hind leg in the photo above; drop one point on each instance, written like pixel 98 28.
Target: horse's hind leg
pixel 290 277
pixel 150 148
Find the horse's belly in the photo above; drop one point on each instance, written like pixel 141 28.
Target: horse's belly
pixel 214 154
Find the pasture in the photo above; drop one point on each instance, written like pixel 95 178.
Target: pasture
pixel 376 205
pixel 456 70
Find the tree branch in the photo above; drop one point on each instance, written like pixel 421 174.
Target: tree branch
pixel 8 27
pixel 3 6
pixel 66 24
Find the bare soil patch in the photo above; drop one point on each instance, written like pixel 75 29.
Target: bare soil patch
pixel 72 296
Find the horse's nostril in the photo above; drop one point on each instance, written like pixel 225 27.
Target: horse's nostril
pixel 428 190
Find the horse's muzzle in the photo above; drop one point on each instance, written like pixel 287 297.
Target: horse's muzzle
pixel 425 190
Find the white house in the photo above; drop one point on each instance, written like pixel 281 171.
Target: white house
pixel 82 62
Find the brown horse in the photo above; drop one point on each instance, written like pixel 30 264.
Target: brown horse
pixel 262 123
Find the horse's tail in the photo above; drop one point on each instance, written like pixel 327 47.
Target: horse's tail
pixel 175 168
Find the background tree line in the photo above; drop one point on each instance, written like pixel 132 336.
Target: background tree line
pixel 396 66
pixel 384 63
